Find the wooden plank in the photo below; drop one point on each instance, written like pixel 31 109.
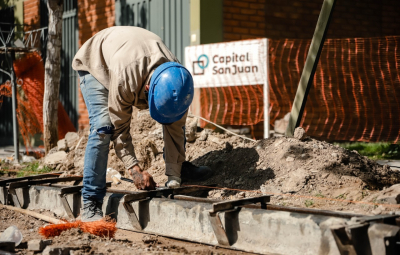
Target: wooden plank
pixel 310 66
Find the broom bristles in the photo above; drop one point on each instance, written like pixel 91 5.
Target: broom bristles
pixel 56 229
pixel 101 228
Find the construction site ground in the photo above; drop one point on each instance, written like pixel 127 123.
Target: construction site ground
pixel 301 172
pixel 125 242
pixel 298 172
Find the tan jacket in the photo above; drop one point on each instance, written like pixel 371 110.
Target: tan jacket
pixel 122 59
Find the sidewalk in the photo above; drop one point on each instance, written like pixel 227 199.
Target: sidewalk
pixel 8 151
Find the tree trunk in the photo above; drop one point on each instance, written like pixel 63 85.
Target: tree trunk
pixel 52 74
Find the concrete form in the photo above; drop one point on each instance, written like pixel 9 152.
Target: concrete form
pixel 252 230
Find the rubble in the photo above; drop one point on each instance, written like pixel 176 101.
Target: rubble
pixel 215 140
pixel 54 250
pixel 28 159
pixel 281 124
pixel 191 128
pixel 38 244
pixel 300 133
pixel 150 239
pixel 55 158
pixel 71 138
pixel 62 145
pixel 390 195
pixel 203 135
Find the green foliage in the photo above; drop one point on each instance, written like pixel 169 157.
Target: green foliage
pixel 341 196
pixel 364 193
pixel 3 168
pixel 381 150
pixel 33 169
pixel 319 194
pixel 308 203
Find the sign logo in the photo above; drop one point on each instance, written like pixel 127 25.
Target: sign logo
pixel 201 64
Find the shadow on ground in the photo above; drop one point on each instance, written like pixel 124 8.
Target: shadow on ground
pixel 235 168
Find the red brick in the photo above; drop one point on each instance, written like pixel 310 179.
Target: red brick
pixel 248 24
pixel 257 18
pixel 245 37
pixel 228 29
pixel 255 31
pixel 279 15
pixel 257 6
pixel 261 25
pixel 231 23
pixel 232 9
pixel 240 30
pixel 230 36
pixel 240 4
pixel 248 11
pixel 227 3
pixel 240 17
pixel 227 16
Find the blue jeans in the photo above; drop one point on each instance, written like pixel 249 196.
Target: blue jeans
pixel 101 130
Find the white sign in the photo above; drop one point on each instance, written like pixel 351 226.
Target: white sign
pixel 228 64
pixel 238 63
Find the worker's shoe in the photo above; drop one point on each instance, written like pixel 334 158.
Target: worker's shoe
pixel 173 182
pixel 191 172
pixel 92 211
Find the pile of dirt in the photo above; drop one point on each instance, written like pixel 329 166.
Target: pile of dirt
pixel 280 165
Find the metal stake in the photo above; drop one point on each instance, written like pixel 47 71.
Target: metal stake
pixel 310 66
pixel 14 109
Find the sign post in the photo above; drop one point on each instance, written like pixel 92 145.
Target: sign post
pixel 239 63
pixel 266 92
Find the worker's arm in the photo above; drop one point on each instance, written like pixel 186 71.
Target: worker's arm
pixel 120 103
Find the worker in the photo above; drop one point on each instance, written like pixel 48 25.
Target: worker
pixel 123 67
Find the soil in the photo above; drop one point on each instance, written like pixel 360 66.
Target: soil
pixel 301 171
pixel 125 242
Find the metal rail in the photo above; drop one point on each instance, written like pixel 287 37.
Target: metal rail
pixel 277 208
pixel 252 206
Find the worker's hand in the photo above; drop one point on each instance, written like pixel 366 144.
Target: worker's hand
pixel 142 179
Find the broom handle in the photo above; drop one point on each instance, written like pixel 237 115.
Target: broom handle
pixel 34 214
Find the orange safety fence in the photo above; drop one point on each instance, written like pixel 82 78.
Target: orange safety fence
pixel 355 94
pixel 29 71
pixel 233 105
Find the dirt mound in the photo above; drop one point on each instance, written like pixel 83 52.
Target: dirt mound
pixel 289 165
pixel 280 165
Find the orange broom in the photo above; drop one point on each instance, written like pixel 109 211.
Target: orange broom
pixel 103 228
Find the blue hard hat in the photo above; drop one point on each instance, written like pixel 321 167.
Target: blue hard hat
pixel 171 92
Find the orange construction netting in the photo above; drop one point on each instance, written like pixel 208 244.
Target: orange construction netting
pixel 29 71
pixel 355 94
